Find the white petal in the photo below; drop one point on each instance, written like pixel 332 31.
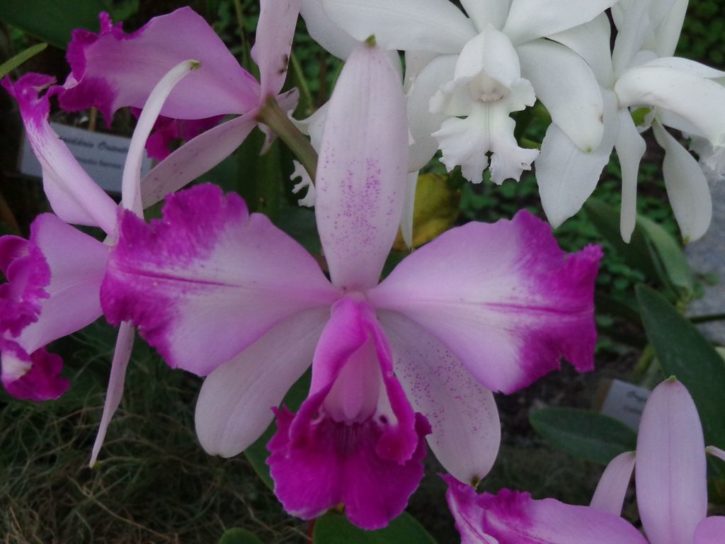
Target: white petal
pixel 325 32
pixel 420 25
pixel 686 187
pixel 633 29
pixel 531 19
pixel 668 31
pixel 700 101
pixel 612 487
pixel 630 148
pixel 491 53
pixel 487 12
pixel 688 66
pixel 566 175
pixel 462 413
pixel 568 88
pixel 235 403
pixel 591 41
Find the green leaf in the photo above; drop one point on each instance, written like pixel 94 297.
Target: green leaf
pixel 257 453
pixel 239 536
pixel 333 528
pixel 683 352
pixel 669 253
pixel 19 59
pixel 52 20
pixel 583 433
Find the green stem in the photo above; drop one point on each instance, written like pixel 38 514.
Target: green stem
pixel 240 23
pixel 272 115
pixel 301 84
pixel 707 318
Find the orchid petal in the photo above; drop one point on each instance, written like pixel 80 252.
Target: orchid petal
pixel 612 487
pixel 566 175
pixel 422 122
pixel 236 401
pixel 168 132
pixel 487 12
pixel 111 70
pixel 591 41
pixel 73 195
pixel 632 32
pixel 566 85
pixel 131 179
pixel 551 16
pixel 208 279
pixel 686 185
pixel 671 475
pixel 271 51
pixel 697 99
pixel 687 66
pixel 466 430
pixel 116 381
pixel 363 168
pixel 511 517
pixel 77 263
pixel 710 530
pixel 509 318
pixel 321 29
pixel 195 158
pixel 34 377
pixel 430 25
pixel 630 148
pixel 669 30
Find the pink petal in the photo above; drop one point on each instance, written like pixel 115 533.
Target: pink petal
pixel 612 487
pixel 503 297
pixel 28 275
pixel 169 133
pixel 73 195
pixel 77 263
pixel 33 377
pixel 671 475
pixel 355 441
pixel 466 431
pixel 208 279
pixel 511 517
pixel 116 381
pixel 271 51
pixel 710 531
pixel 236 401
pixel 195 158
pixel 363 167
pixel 112 69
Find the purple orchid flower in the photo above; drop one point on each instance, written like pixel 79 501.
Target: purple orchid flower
pixel 54 278
pixel 484 307
pixel 671 485
pixel 112 70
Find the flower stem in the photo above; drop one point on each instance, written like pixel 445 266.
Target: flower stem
pixel 272 115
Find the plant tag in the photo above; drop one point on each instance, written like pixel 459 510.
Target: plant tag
pixel 625 402
pixel 101 155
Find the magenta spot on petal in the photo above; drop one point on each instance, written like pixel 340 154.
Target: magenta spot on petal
pixel 41 381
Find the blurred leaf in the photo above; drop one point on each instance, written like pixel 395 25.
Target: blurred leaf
pixel 683 352
pixel 239 536
pixel 670 254
pixel 436 210
pixel 583 433
pixel 257 453
pixel 333 528
pixel 52 20
pixel 10 65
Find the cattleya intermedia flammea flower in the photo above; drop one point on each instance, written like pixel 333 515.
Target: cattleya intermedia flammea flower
pixel 112 70
pixel 225 293
pixel 467 72
pixel 671 488
pixel 54 278
pixel 640 73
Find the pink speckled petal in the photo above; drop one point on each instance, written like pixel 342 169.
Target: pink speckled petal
pixel 503 297
pixel 466 430
pixel 77 263
pixel 73 195
pixel 362 169
pixel 671 475
pixel 511 517
pixel 271 51
pixel 236 401
pixel 355 441
pixel 208 279
pixel 33 377
pixel 710 531
pixel 112 69
pixel 612 487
